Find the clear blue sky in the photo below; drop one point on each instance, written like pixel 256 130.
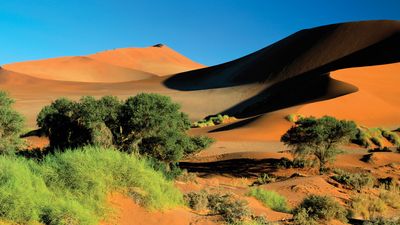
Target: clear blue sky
pixel 207 31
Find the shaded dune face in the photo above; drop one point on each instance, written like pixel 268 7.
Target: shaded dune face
pixel 296 69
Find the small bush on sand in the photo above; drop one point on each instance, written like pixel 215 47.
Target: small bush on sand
pixel 392 137
pixel 232 210
pixel 367 206
pixel 11 125
pixel 293 118
pixel 383 221
pixel 391 197
pixel 213 120
pixel 356 181
pixel 197 200
pixel 317 208
pixel 270 199
pixel 318 139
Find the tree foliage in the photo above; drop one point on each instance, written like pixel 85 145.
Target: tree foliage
pixel 146 124
pixel 318 139
pixel 11 125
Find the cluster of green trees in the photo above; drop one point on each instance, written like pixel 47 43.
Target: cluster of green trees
pixel 145 124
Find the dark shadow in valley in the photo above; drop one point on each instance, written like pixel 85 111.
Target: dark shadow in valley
pixel 232 168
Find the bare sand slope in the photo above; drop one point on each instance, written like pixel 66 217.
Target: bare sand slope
pixel 375 105
pixel 119 65
pixel 77 68
pixel 159 59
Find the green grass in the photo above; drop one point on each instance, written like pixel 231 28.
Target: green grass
pixel 72 187
pixel 270 199
pixel 213 120
pixel 293 118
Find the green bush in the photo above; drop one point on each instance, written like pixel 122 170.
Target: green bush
pixel 11 125
pixel 213 120
pixel 270 199
pixel 392 137
pixel 146 124
pixel 354 180
pixel 72 187
pixel 317 139
pixel 320 208
pixel 293 118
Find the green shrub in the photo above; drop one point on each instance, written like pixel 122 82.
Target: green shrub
pixel 146 124
pixel 231 210
pixel 293 118
pixel 270 199
pixel 317 139
pixel 72 187
pixel 197 200
pixel 392 137
pixel 320 208
pixel 391 197
pixel 354 180
pixel 367 206
pixel 11 125
pixel 213 120
pixel 301 217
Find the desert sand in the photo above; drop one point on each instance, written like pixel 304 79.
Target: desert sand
pixel 349 71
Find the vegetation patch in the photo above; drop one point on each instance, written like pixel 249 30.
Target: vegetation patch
pixel 232 210
pixel 356 181
pixel 270 199
pixel 213 120
pixel 317 140
pixel 72 187
pixel 367 206
pixel 368 137
pixel 315 208
pixel 293 118
pixel 146 124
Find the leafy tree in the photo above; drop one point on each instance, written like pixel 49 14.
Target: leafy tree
pixel 318 139
pixel 146 124
pixel 11 125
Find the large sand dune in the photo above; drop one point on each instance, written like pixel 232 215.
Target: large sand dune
pixel 292 75
pixel 112 66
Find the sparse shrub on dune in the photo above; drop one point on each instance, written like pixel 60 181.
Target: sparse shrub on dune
pixel 356 181
pixel 293 118
pixel 318 139
pixel 213 120
pixel 11 125
pixel 391 197
pixel 270 199
pixel 232 210
pixel 72 187
pixel 383 221
pixel 392 137
pixel 315 208
pixel 367 206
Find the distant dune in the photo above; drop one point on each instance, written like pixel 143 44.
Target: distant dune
pixel 329 70
pixel 112 66
pixel 159 59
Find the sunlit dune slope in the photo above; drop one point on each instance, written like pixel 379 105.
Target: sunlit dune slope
pixel 159 59
pixel 80 69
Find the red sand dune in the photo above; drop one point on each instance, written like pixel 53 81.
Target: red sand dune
pixel 119 65
pixel 160 60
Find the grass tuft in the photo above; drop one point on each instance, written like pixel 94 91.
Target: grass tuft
pixel 270 199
